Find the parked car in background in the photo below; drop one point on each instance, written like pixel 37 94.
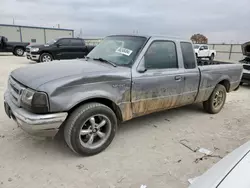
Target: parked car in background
pixel 17 48
pixel 246 63
pixel 203 51
pixel 61 48
pixel 230 172
pixel 123 77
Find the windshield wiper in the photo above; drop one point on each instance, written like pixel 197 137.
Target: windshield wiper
pixel 106 61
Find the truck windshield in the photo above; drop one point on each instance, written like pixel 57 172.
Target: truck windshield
pixel 51 42
pixel 120 50
pixel 196 46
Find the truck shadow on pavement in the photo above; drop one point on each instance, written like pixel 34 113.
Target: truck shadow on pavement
pixel 56 147
pixel 6 55
pixel 166 115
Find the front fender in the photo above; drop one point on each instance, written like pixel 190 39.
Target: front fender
pixel 78 98
pixel 68 97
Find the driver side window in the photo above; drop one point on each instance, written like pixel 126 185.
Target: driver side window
pixel 64 42
pixel 161 55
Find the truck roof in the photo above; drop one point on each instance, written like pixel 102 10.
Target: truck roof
pixel 156 37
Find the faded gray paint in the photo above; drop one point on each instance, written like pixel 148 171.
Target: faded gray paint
pixel 71 82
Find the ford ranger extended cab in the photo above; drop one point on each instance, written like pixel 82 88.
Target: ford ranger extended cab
pixel 203 51
pixel 17 48
pixel 122 78
pixel 58 49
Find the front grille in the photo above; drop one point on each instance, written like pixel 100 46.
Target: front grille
pixel 15 90
pixel 247 67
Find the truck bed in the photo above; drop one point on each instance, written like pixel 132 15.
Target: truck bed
pixel 211 62
pixel 214 72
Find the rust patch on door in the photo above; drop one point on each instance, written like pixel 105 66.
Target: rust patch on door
pixel 126 110
pixel 148 106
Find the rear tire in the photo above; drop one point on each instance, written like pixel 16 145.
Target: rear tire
pixel 82 127
pixel 18 51
pixel 216 101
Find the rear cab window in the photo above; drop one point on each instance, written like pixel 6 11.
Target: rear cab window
pixel 188 55
pixel 161 55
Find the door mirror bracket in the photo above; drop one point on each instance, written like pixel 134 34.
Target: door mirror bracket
pixel 141 68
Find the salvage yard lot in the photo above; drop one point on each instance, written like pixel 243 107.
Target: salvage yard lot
pixel 146 150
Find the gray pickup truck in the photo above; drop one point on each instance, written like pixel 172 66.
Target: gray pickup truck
pixel 122 78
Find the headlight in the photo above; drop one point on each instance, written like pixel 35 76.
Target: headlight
pixel 36 102
pixel 27 96
pixel 34 49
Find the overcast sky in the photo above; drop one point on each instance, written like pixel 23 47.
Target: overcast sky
pixel 220 20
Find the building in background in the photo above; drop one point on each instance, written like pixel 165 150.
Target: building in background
pixel 33 35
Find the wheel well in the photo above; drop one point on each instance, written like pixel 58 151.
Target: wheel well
pixel 19 47
pixel 225 83
pixel 104 101
pixel 47 53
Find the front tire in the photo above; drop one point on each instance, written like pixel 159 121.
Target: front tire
pixel 46 57
pixel 90 129
pixel 216 101
pixel 18 51
pixel 211 57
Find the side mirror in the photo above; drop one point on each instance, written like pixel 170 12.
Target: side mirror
pixel 141 68
pixel 58 45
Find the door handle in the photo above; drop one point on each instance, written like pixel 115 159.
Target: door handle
pixel 177 78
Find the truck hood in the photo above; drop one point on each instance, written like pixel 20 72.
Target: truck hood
pixel 36 75
pixel 216 174
pixel 196 50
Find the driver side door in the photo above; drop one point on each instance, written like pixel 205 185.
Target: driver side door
pixel 160 86
pixel 63 48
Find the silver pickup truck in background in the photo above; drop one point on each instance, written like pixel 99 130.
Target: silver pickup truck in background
pixel 122 78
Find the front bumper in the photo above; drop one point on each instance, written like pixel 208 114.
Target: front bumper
pixel 246 76
pixel 34 57
pixel 46 125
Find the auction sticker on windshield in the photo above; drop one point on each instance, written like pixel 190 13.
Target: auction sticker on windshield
pixel 124 51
